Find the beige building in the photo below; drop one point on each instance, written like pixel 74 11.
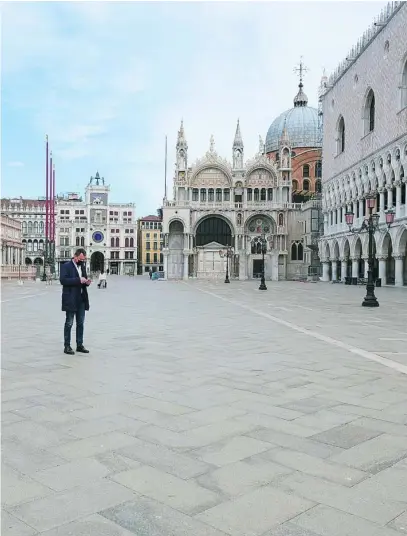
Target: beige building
pixel 150 255
pixel 12 251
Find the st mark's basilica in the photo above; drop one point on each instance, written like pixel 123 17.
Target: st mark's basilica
pixel 219 204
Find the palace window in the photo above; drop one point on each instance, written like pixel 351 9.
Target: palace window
pixel 226 194
pixel 218 195
pixel 263 194
pixel 340 136
pixel 305 170
pixel 211 194
pixel 249 194
pixel 305 185
pixel 270 194
pixel 369 112
pixel 318 169
pixel 195 194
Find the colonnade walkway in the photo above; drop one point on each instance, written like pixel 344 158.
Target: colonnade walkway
pixel 205 409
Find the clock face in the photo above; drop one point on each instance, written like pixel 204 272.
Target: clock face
pixel 97 236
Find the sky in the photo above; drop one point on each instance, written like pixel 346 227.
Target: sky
pixel 107 81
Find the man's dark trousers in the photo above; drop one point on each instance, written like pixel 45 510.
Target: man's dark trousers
pixel 80 321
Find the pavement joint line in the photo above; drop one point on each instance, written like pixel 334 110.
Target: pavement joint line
pixel 334 342
pixel 24 297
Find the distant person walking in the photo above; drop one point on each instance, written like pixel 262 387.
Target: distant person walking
pixel 150 272
pixel 102 280
pixel 75 301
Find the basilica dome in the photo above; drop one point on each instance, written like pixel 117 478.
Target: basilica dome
pixel 300 122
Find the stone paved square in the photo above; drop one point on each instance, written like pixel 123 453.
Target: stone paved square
pixel 205 409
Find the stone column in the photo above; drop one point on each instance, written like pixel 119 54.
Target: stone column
pixel 325 271
pixel 390 200
pixel 186 258
pixel 355 266
pixel 165 253
pixel 334 270
pixel 382 269
pixel 398 198
pixel 398 261
pixel 361 201
pixel 344 268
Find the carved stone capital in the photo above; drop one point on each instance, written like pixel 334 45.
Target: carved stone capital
pixel 381 257
pixel 398 257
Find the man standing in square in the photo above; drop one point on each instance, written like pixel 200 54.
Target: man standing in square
pixel 75 299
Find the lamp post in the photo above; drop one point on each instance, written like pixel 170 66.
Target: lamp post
pixel 260 243
pixel 370 225
pixel 228 253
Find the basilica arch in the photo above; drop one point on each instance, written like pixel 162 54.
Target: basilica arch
pixel 214 228
pixel 175 263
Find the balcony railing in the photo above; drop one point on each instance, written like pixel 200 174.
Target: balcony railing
pixel 230 205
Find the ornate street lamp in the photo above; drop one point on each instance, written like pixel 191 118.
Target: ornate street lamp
pixel 370 225
pixel 260 243
pixel 228 253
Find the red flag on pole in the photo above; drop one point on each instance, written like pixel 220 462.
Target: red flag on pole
pixel 46 193
pixel 53 203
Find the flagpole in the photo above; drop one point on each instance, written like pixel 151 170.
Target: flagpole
pixel 165 170
pixel 44 277
pixel 53 217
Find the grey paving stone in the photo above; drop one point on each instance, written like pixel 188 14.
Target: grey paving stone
pixel 77 473
pixel 255 512
pixel 374 455
pixel 185 496
pixel 310 405
pixel 353 500
pixel 388 485
pixel 28 460
pixel 59 509
pixel 145 517
pixel 400 524
pixel 288 529
pixel 83 448
pixel 346 436
pixel 382 426
pixel 326 521
pixel 11 526
pixel 241 477
pixel 279 425
pixel 341 474
pixel 300 444
pixel 231 450
pixel 165 459
pixel 94 525
pixel 33 434
pixel 17 488
pixel 110 423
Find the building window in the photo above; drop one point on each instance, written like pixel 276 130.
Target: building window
pixel 263 194
pixel 147 235
pixel 403 87
pixel 211 194
pixel 155 235
pixel 77 241
pixel 295 186
pixel 318 186
pixel 117 242
pixel 256 194
pixel 148 245
pixel 126 242
pixel 155 258
pixel 203 195
pixel 369 112
pixel 161 258
pixel 305 170
pixel 112 242
pixel 148 258
pixel 249 194
pixel 281 220
pixel 305 186
pixel 270 194
pixel 318 169
pixel 218 195
pixel 82 240
pixel 155 245
pixel 132 242
pixel 297 251
pixel 226 194
pixel 340 136
pixel 128 255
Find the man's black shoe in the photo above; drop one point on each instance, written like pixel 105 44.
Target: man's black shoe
pixel 68 350
pixel 82 349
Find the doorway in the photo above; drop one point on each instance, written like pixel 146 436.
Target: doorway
pixel 257 268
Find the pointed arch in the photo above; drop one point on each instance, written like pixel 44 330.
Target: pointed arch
pixel 369 111
pixel 340 135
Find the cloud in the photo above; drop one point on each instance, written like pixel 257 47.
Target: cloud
pixel 108 80
pixel 15 164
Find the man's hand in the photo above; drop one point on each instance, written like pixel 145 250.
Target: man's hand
pixel 88 281
pixel 84 281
